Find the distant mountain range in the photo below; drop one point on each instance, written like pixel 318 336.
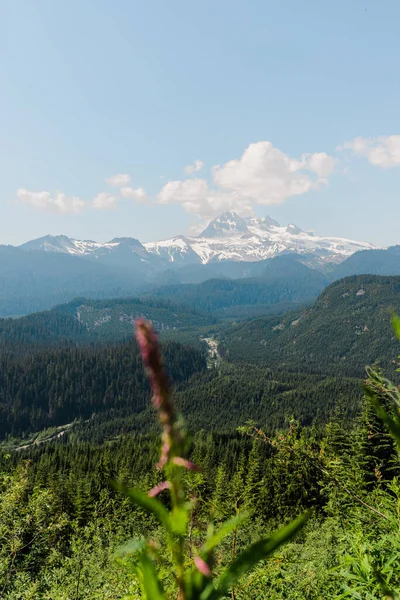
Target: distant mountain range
pixel 275 285
pixel 275 268
pixel 227 238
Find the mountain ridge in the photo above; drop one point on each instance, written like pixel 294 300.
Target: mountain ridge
pixel 347 327
pixel 228 237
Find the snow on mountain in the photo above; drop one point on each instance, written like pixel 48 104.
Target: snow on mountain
pixel 230 237
pixel 126 252
pixel 179 250
pixel 62 243
pixel 227 237
pixel 226 225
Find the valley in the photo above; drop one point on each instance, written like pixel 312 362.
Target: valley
pixel 89 351
pixel 273 404
pixel 199 300
pixel 214 356
pixel 266 359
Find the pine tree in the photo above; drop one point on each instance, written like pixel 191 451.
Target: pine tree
pixel 379 462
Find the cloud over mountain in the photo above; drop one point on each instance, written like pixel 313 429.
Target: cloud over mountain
pixel 263 175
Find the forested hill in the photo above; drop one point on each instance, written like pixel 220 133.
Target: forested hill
pixel 52 372
pixel 103 388
pixel 35 281
pixel 371 262
pixel 347 327
pixel 97 320
pixel 53 386
pixel 283 283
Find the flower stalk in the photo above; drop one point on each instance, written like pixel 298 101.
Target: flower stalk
pixel 193 578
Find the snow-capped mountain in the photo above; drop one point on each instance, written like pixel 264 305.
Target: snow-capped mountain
pixel 228 237
pixel 127 253
pixel 231 237
pixel 226 225
pixel 62 243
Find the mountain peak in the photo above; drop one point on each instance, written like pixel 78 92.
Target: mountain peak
pixel 50 243
pixel 292 228
pixel 267 220
pixel 228 237
pixel 227 224
pixel 264 223
pixel 127 241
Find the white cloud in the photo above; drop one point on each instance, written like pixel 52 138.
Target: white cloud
pixel 381 151
pixel 263 175
pixel 118 180
pixel 196 166
pixel 320 163
pixel 104 201
pixel 269 176
pixel 135 193
pixel 45 201
pixel 198 198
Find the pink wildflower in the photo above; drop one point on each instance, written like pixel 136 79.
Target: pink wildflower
pixel 183 462
pixel 202 566
pixel 172 441
pixel 165 485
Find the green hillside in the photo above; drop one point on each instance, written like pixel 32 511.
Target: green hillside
pixel 36 281
pixel 115 318
pixel 53 386
pixel 75 415
pixel 284 282
pixel 99 320
pixel 369 262
pixel 224 399
pixel 346 328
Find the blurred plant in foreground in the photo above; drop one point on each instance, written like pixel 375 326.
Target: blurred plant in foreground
pixel 173 565
pixel 374 568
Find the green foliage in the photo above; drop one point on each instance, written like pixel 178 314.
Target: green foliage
pixel 54 386
pixel 374 565
pixel 196 581
pixel 348 326
pixel 225 398
pixel 209 532
pixel 83 321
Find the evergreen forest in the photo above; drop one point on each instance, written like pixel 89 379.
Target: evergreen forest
pixel 278 473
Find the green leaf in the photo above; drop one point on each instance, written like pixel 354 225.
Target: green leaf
pixel 131 547
pixel 179 519
pixel 390 595
pixel 199 587
pixel 396 325
pixel 223 531
pixel 151 505
pixel 391 423
pixel 151 585
pixel 255 553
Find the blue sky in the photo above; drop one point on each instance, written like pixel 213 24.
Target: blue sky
pixel 304 97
